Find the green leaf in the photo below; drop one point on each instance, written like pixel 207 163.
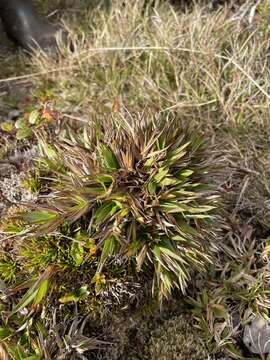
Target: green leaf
pixel 200 209
pixel 34 115
pixel 185 173
pixel 123 213
pixel 104 178
pixel 20 123
pixel 26 300
pixel 107 250
pixel 117 206
pixel 119 197
pixel 109 158
pixel 47 150
pixel 205 297
pixel 198 216
pixel 172 254
pixel 195 303
pixel 179 238
pixel 219 311
pixel 43 287
pixel 83 290
pixel 177 154
pixel 177 206
pixel 232 348
pixel 82 293
pixel 23 133
pixel 33 292
pixel 69 298
pixel 149 162
pixel 174 207
pixel 185 227
pixel 7 126
pixel 103 211
pixel 170 181
pixel 39 216
pixel 152 186
pixel 94 190
pixel 79 203
pixel 23 129
pixel 162 172
pixel 187 194
pixel 5 333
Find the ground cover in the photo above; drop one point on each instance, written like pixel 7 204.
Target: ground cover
pixel 204 66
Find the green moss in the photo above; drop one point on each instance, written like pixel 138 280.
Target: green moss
pixel 158 335
pixel 8 269
pixel 176 339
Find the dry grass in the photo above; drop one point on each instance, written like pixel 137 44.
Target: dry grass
pixel 198 64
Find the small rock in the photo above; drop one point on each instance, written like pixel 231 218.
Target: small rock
pixel 257 336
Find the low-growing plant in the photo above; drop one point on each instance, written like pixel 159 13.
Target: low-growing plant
pixel 234 294
pixel 125 196
pixel 134 189
pixel 29 123
pixel 46 338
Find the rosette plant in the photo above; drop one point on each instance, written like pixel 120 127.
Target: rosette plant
pixel 137 190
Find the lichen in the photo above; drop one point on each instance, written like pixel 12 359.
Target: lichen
pixel 13 191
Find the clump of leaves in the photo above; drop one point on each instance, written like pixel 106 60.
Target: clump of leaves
pixel 47 337
pixel 30 122
pixel 138 189
pixel 236 289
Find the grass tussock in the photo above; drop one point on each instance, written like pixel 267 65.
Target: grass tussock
pixel 135 187
pixel 189 63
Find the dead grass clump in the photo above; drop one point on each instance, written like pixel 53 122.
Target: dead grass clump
pixel 202 65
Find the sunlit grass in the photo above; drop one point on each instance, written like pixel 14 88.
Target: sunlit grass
pixel 207 68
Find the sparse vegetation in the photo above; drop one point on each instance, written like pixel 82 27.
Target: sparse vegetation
pixel 122 115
